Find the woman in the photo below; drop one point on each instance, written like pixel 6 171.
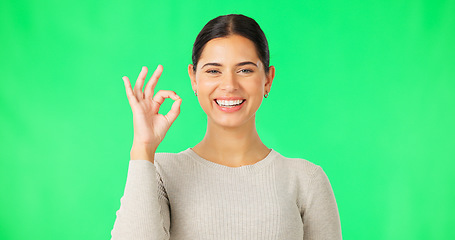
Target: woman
pixel 230 185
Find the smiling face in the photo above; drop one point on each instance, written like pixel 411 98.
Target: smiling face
pixel 229 72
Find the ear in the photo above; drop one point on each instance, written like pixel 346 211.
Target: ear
pixel 269 79
pixel 192 75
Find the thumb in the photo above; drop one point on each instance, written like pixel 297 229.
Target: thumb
pixel 175 110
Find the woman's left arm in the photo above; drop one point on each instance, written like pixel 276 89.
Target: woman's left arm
pixel 321 219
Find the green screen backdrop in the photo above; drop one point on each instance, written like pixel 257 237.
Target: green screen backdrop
pixel 364 89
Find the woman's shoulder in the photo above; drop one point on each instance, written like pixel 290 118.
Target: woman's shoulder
pixel 162 158
pixel 296 165
pixel 174 161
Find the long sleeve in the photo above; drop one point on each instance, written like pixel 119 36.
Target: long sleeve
pixel 321 219
pixel 144 208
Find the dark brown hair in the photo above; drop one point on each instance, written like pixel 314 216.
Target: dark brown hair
pixel 226 25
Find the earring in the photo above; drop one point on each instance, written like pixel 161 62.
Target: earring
pixel 195 93
pixel 266 94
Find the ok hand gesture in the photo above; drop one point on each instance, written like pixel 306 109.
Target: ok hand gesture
pixel 150 127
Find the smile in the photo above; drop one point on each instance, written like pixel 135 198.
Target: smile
pixel 229 105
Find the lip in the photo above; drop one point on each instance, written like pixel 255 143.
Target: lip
pixel 229 98
pixel 229 109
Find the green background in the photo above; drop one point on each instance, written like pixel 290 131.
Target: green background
pixel 364 89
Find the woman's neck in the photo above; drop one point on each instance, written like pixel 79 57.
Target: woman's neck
pixel 233 147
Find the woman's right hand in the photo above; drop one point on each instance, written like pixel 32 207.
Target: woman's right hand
pixel 150 127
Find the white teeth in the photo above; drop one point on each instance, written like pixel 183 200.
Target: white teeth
pixel 228 103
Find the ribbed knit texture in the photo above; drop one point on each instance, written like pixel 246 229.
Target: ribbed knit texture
pixel 183 196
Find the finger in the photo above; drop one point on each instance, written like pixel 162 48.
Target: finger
pixel 174 112
pixel 140 83
pixel 129 91
pixel 163 94
pixel 159 97
pixel 149 88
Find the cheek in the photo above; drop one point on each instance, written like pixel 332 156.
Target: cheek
pixel 254 87
pixel 206 87
pixel 206 84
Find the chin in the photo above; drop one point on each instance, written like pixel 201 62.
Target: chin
pixel 231 121
pixel 234 119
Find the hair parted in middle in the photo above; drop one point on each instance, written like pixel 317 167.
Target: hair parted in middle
pixel 231 24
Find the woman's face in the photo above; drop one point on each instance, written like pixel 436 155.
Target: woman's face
pixel 230 80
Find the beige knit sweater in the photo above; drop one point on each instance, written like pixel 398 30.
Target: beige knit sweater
pixel 183 196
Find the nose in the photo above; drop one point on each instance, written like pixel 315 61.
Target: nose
pixel 229 82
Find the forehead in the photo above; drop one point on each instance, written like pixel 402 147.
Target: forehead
pixel 229 50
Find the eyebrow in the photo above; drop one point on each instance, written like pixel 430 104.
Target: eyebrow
pixel 237 65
